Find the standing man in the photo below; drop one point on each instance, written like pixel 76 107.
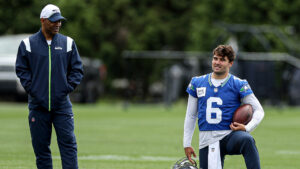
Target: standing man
pixel 213 99
pixel 49 67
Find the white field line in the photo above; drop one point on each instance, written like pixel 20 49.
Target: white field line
pixel 288 152
pixel 152 158
pixel 124 158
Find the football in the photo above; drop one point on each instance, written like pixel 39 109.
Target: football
pixel 243 114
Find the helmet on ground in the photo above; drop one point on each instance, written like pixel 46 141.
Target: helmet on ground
pixel 184 163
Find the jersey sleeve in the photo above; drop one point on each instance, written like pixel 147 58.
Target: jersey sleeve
pixel 191 89
pixel 244 88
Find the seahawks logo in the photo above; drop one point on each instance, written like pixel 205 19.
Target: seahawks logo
pixel 245 88
pixel 191 87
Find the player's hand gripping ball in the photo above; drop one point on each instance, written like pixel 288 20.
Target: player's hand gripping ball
pixel 243 114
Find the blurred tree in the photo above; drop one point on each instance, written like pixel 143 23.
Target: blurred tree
pixel 103 29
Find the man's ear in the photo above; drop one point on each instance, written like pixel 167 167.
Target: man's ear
pixel 231 63
pixel 42 20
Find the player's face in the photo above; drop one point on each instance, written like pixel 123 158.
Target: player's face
pixel 51 28
pixel 221 65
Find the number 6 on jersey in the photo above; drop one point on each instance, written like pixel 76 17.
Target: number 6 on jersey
pixel 210 111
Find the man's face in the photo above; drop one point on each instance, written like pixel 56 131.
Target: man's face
pixel 220 65
pixel 51 28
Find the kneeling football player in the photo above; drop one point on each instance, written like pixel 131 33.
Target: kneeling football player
pixel 213 99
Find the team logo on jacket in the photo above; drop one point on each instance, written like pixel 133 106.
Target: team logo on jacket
pixel 32 119
pixel 201 91
pixel 58 48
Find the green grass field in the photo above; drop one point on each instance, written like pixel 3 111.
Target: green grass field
pixel 142 137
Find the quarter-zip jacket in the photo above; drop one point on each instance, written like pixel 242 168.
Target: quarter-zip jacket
pixel 49 73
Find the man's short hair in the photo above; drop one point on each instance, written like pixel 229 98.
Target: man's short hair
pixel 225 51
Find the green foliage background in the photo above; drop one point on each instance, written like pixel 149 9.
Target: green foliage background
pixel 103 28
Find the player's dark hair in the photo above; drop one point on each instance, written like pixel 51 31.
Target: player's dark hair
pixel 225 50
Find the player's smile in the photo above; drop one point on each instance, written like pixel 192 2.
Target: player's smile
pixel 217 67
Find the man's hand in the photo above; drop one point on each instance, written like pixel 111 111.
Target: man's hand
pixel 237 126
pixel 189 151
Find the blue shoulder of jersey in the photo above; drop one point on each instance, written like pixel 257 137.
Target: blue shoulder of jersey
pixel 191 89
pixel 243 86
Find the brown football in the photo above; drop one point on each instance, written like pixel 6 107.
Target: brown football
pixel 243 114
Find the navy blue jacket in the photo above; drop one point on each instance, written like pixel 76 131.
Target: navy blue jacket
pixel 49 73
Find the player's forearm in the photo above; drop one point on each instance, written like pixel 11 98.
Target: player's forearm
pixel 258 112
pixel 190 121
pixel 253 123
pixel 189 127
